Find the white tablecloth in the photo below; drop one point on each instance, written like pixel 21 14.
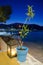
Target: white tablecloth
pixel 30 60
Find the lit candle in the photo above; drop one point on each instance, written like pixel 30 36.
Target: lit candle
pixel 13 52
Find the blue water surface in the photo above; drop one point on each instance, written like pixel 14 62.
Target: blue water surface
pixel 34 36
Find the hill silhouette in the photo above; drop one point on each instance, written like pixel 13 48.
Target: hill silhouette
pixel 19 26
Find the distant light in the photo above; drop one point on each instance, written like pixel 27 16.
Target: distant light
pixel 19 26
pixel 20 32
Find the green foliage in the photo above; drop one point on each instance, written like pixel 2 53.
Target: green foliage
pixel 5 12
pixel 24 31
pixel 30 12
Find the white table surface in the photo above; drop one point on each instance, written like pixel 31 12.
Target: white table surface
pixel 30 60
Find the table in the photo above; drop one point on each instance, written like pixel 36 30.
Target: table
pixel 5 60
pixel 30 60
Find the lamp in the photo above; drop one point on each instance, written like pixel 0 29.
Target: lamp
pixel 11 49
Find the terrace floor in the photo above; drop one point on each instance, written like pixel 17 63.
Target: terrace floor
pixel 35 56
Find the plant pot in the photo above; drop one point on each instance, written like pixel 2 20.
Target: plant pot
pixel 21 54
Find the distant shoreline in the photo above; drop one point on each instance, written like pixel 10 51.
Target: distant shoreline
pixel 16 25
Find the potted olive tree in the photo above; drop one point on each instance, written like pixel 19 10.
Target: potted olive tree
pixel 22 50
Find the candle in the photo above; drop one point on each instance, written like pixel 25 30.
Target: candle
pixel 12 52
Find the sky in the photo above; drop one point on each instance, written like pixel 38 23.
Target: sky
pixel 19 10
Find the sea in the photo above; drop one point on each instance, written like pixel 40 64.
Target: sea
pixel 34 36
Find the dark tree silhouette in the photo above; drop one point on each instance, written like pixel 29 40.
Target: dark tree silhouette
pixel 5 12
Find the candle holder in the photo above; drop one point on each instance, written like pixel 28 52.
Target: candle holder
pixel 11 48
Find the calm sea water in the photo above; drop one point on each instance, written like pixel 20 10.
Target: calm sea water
pixel 34 37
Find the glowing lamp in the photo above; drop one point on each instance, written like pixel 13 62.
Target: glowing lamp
pixel 11 50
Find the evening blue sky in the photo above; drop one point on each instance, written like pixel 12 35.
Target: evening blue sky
pixel 19 10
